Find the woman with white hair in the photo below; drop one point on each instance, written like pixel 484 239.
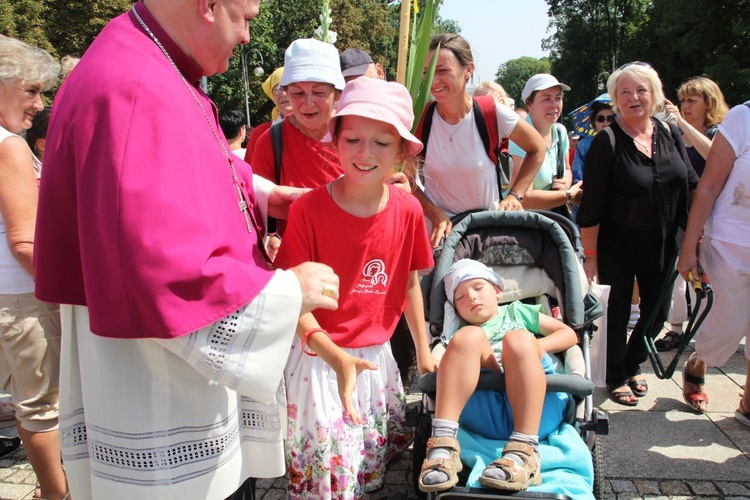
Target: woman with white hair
pixel 631 208
pixel 29 329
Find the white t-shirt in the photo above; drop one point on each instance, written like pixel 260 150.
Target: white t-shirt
pixel 458 174
pixel 240 153
pixel 13 278
pixel 730 218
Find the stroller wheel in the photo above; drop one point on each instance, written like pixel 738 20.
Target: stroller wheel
pixel 597 456
pixel 422 433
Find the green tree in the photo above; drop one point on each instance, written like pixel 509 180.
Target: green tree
pixel 366 25
pixel 28 23
pixel 513 74
pixel 680 39
pixel 7 20
pixel 71 25
pixel 680 48
pixel 591 37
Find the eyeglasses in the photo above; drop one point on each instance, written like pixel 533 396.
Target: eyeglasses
pixel 278 90
pixel 605 118
pixel 635 63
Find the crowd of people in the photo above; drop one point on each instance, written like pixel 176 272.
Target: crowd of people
pixel 182 317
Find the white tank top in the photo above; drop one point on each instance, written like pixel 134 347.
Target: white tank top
pixel 13 278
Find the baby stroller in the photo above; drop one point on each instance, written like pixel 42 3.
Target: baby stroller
pixel 539 256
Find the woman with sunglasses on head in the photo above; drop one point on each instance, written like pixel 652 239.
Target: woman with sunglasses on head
pixel 634 201
pixel 702 108
pixel 601 117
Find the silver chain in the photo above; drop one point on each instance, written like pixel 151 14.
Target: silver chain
pixel 242 202
pixel 442 126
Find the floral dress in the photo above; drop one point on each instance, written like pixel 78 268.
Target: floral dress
pixel 328 457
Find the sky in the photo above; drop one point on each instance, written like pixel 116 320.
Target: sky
pixel 499 30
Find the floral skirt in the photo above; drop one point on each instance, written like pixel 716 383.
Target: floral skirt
pixel 328 457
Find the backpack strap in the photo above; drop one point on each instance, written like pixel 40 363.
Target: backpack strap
pixel 486 119
pixel 611 135
pixel 560 153
pixel 424 126
pixel 277 139
pixel 666 127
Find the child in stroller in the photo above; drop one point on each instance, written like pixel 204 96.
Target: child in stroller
pixel 497 338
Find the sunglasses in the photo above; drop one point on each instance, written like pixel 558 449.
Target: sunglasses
pixel 603 118
pixel 635 63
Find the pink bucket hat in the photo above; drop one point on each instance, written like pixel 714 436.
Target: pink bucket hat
pixel 387 102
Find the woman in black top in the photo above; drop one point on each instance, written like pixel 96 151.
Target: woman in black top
pixel 635 196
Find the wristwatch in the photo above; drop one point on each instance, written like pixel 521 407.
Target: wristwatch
pixel 516 196
pixel 568 196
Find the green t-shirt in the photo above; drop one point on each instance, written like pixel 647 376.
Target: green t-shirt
pixel 514 316
pixel 548 170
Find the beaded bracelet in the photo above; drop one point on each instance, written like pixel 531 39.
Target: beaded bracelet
pixel 304 340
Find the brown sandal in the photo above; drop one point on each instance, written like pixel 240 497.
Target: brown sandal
pixel 519 477
pixel 448 466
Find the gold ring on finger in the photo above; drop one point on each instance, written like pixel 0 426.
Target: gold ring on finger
pixel 329 290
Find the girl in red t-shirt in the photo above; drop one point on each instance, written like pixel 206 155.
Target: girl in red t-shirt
pixel 345 397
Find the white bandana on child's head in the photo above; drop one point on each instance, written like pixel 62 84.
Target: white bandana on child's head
pixel 460 271
pixel 468 269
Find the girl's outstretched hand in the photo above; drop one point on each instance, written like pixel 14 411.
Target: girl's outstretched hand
pixel 427 363
pixel 346 375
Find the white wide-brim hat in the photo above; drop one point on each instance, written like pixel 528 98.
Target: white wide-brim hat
pixel 310 60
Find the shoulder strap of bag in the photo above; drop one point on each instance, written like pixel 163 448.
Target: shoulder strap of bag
pixel 560 152
pixel 486 119
pixel 424 126
pixel 611 135
pixel 277 139
pixel 666 127
pixel 485 115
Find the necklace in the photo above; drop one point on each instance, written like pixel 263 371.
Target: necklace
pixel 444 125
pixel 646 146
pixel 243 206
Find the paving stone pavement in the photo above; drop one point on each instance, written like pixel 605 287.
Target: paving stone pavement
pixel 656 450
